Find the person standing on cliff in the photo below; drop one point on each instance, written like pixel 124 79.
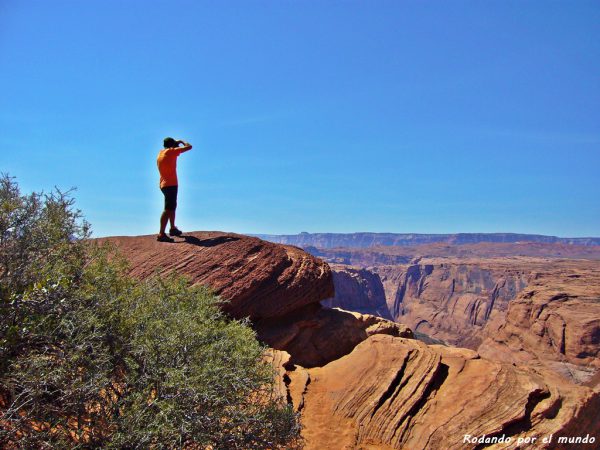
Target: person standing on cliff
pixel 167 168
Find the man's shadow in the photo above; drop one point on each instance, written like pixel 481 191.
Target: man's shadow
pixel 210 242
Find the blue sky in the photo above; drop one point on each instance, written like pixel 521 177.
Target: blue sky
pixel 401 116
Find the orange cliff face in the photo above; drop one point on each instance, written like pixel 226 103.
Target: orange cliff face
pixel 357 380
pixel 358 289
pixel 522 309
pixel 554 322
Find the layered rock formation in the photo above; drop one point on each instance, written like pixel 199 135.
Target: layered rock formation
pixel 448 299
pixel 555 322
pixel 453 299
pixel 525 309
pixel 256 278
pixel 278 287
pixel 358 290
pixel 394 393
pixel 315 336
pixel 358 381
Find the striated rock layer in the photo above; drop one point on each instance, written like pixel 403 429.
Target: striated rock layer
pixel 358 290
pixel 453 299
pixel 394 393
pixel 446 298
pixel 519 309
pixel 555 322
pixel 278 286
pixel 315 336
pixel 258 279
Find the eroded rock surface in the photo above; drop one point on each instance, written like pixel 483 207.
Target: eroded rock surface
pixel 519 309
pixel 315 335
pixel 358 290
pixel 555 322
pixel 398 393
pixel 257 278
pixel 453 299
pixel 278 286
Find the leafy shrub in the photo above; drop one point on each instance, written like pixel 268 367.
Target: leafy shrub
pixel 92 358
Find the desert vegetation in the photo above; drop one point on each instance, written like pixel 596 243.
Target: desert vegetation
pixel 90 357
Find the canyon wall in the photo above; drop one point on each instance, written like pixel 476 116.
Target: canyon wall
pixel 358 290
pixel 554 322
pixel 519 309
pixel 452 300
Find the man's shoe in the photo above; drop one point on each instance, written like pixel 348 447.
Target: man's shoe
pixel 175 232
pixel 164 238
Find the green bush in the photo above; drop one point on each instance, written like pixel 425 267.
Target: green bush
pixel 92 358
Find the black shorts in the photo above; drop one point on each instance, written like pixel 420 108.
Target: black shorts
pixel 170 197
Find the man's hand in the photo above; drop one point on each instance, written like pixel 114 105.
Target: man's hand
pixel 186 146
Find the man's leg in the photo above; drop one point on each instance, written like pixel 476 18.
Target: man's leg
pixel 164 218
pixel 169 210
pixel 173 201
pixel 172 218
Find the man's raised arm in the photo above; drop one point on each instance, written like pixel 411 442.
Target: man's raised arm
pixel 186 146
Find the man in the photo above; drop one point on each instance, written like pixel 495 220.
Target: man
pixel 167 167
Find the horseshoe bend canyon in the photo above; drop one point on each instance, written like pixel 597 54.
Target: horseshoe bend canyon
pixel 413 341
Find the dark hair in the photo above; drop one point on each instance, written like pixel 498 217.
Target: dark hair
pixel 169 142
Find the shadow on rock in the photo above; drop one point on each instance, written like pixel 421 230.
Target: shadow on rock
pixel 314 335
pixel 211 242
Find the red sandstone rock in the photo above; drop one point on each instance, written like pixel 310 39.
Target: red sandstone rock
pixel 358 290
pixel 257 278
pixel 554 322
pixel 453 299
pixel 314 335
pixel 402 394
pixel 528 310
pixel 278 286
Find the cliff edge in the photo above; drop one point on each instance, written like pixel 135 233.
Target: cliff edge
pixel 256 278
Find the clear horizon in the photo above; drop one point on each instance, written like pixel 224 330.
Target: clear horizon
pixel 429 234
pixel 439 117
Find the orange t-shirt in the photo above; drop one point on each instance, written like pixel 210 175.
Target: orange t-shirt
pixel 167 166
